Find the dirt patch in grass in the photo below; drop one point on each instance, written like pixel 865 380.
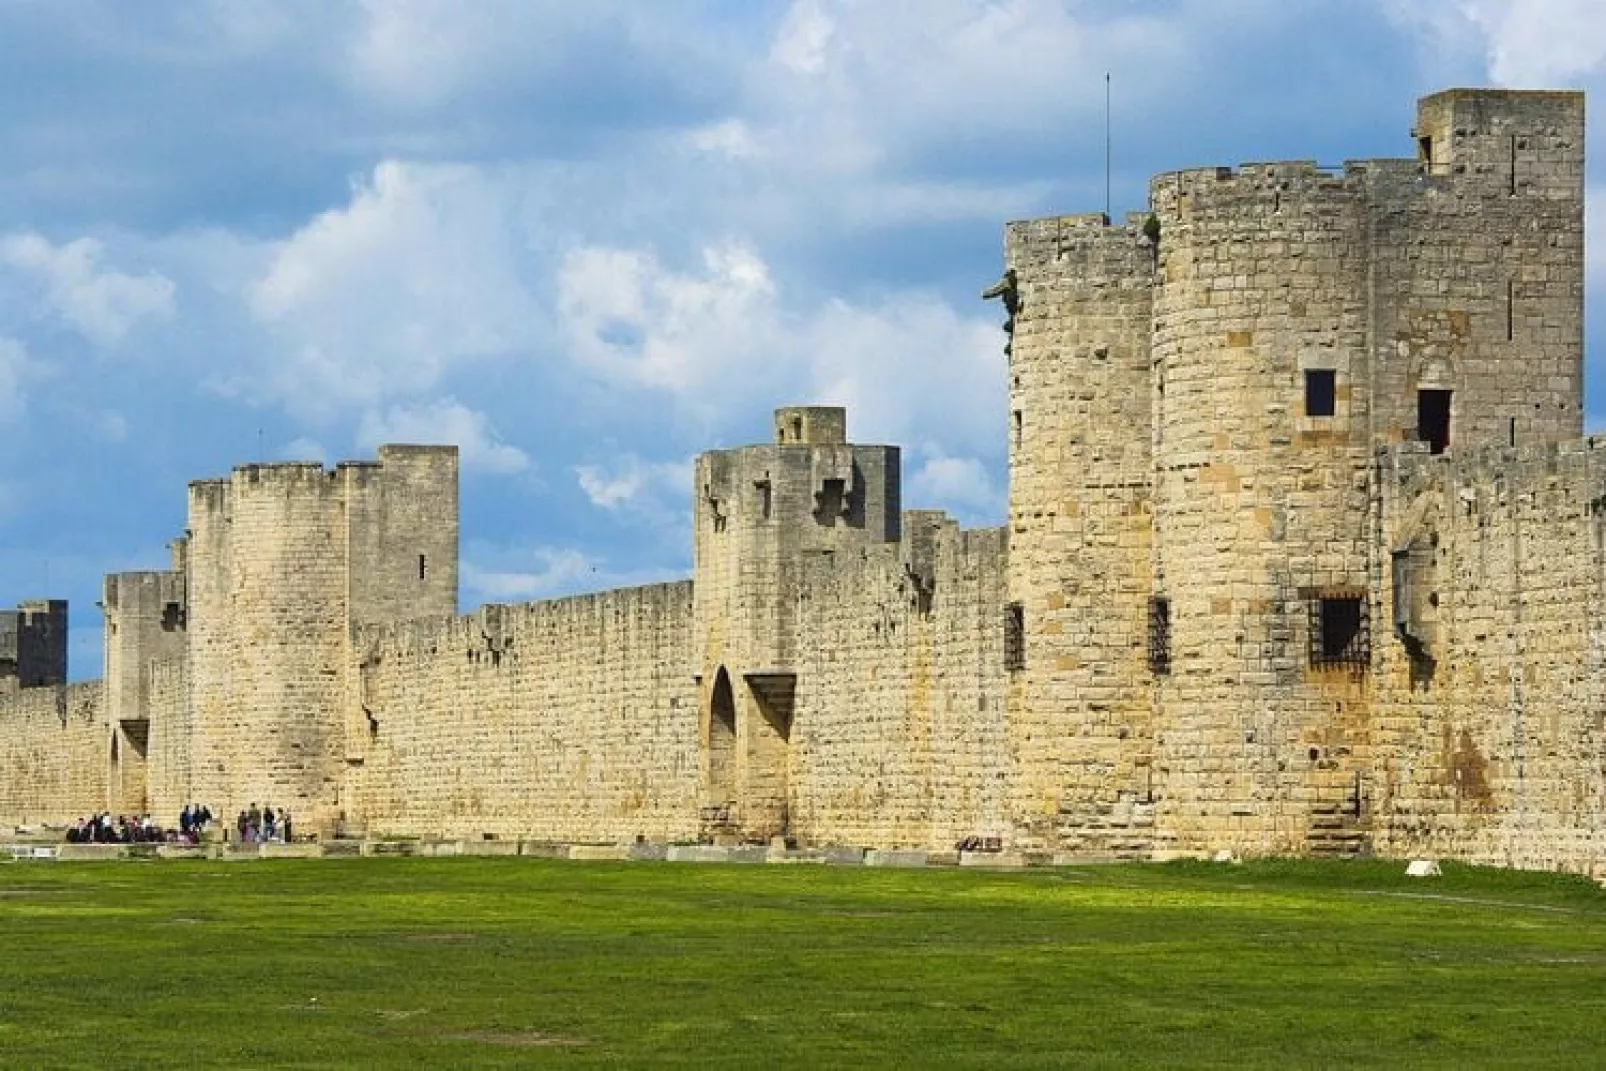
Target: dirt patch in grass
pixel 523 1039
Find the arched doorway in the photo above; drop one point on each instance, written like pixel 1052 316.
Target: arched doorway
pixel 721 769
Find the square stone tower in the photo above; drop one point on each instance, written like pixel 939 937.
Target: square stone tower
pixel 280 563
pixel 33 644
pixel 759 511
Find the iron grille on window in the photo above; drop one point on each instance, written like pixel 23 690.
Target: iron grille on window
pixel 1340 634
pixel 1014 636
pixel 1159 635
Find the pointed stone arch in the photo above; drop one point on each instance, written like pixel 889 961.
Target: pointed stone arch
pixel 719 744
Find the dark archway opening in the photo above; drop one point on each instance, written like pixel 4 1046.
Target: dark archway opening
pixel 722 744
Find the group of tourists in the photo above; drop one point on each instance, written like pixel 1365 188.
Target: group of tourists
pixel 258 824
pixel 193 820
pixel 102 828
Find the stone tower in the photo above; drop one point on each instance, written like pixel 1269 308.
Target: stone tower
pixel 760 510
pixel 143 633
pixel 282 561
pixel 33 644
pixel 1196 402
pixel 1080 299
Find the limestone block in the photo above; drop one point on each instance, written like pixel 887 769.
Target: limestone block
pixel 894 858
pixel 79 853
pixel 994 860
pixel 599 852
pixel 698 853
pixel 488 847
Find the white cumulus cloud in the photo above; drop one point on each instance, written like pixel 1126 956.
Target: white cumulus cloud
pixel 631 482
pixel 724 337
pixel 498 573
pixel 101 303
pixel 629 317
pixel 446 422
pixel 418 275
pixel 961 485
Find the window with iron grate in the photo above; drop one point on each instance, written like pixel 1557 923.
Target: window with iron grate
pixel 1159 635
pixel 1340 634
pixel 1014 636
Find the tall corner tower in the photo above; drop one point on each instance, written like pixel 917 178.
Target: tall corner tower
pixel 1478 280
pixel 1079 293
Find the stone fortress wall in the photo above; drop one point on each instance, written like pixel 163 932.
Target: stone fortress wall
pixel 1304 555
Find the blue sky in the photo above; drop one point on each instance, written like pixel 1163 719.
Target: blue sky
pixel 586 241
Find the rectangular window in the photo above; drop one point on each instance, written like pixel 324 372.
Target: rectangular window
pixel 1014 636
pixel 1433 419
pixel 1159 635
pixel 422 568
pixel 1321 392
pixel 1339 631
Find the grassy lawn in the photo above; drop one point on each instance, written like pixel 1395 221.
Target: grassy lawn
pixel 517 962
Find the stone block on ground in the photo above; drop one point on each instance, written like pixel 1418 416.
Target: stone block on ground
pixel 997 860
pixel 894 858
pixel 80 853
pixel 488 847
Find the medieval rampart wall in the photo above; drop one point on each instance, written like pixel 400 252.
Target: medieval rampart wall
pixel 1490 692
pixel 899 734
pixel 171 741
pixel 574 719
pixel 54 749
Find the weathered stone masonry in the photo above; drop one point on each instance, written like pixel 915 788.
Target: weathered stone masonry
pixel 1304 554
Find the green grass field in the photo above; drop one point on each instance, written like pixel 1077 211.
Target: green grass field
pixel 515 962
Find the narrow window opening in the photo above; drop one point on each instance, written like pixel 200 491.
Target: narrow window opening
pixel 1016 416
pixel 1433 419
pixel 1511 310
pixel 1513 167
pixel 1513 431
pixel 423 567
pixel 797 429
pixel 1159 635
pixel 1424 153
pixel 1321 392
pixel 830 502
pixel 764 494
pixel 1339 632
pixel 172 617
pixel 1014 637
